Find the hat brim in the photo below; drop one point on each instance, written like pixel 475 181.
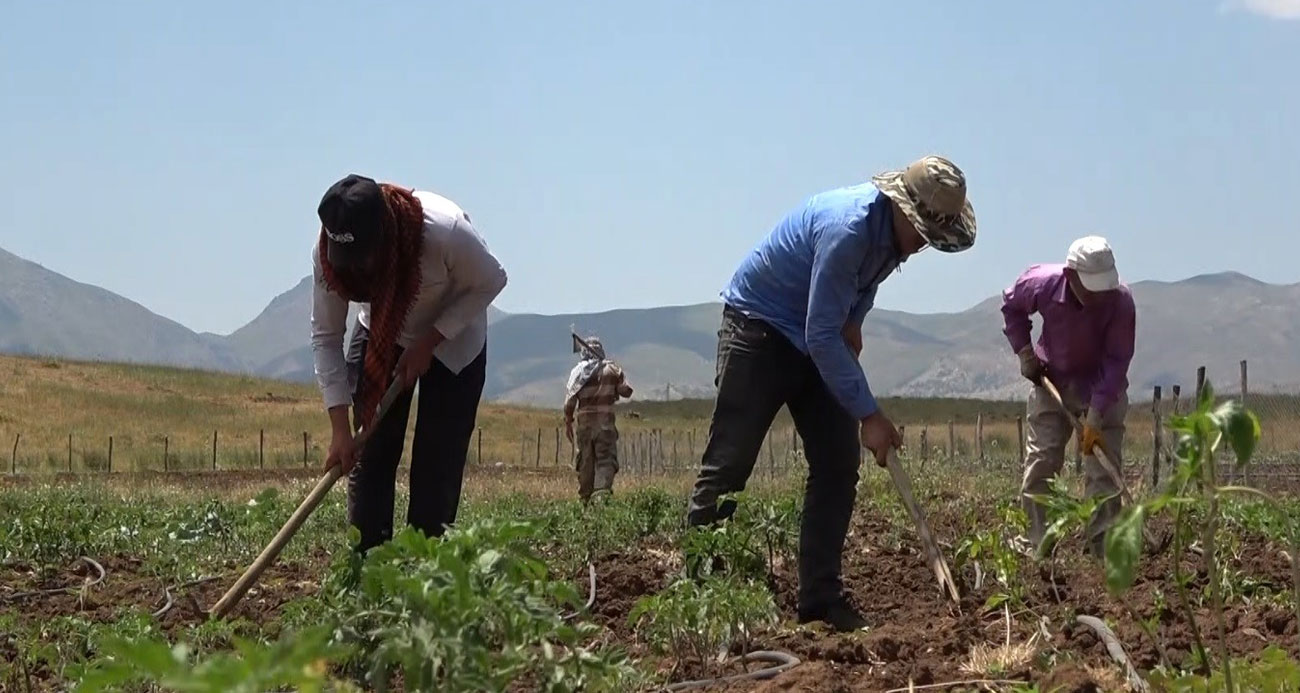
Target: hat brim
pixel 951 238
pixel 1099 281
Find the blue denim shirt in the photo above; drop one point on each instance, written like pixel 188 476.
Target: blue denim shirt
pixel 817 271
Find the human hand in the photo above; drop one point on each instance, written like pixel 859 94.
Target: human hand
pixel 568 429
pixel 343 452
pixel 1031 366
pixel 414 362
pixel 1091 438
pixel 879 436
pixel 853 338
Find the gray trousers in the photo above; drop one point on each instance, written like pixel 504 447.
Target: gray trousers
pixel 1049 431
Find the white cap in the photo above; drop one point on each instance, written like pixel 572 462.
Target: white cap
pixel 1092 258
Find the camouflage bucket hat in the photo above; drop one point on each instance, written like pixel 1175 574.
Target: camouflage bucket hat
pixel 932 193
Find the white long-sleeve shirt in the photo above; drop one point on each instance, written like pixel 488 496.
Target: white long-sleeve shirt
pixel 459 280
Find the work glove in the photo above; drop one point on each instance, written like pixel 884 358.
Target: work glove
pixel 1030 365
pixel 1091 431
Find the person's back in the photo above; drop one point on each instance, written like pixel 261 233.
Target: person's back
pixel 773 282
pixel 596 399
pixel 595 386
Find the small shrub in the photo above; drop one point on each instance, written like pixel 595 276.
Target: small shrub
pixel 476 610
pixel 698 619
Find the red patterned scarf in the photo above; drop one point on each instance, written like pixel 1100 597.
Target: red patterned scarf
pixel 390 290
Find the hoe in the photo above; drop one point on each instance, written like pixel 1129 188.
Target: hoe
pixel 313 499
pixel 1105 459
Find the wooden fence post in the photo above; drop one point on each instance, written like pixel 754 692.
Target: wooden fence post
pixel 214 451
pixel 1245 471
pixel 1243 382
pixel 69 452
pixel 952 441
pixel 166 446
pixel 1020 438
pixel 13 463
pixel 676 434
pixel 261 448
pixel 1200 384
pixel 522 442
pixel 979 435
pixel 1157 439
pixel 1177 390
pixel 925 445
pixel 110 453
pixel 479 458
pixel 304 449
pixel 557 447
pixel 538 452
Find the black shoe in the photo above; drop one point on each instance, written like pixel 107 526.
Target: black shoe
pixel 839 615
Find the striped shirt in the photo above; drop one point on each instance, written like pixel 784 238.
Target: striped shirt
pixel 595 401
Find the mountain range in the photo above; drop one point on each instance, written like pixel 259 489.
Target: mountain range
pixel 1212 320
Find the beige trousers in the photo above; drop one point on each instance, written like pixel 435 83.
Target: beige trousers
pixel 1049 431
pixel 597 460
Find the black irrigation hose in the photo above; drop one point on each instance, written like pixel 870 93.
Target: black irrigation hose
pixel 84 585
pixel 167 593
pixel 591 593
pixel 782 661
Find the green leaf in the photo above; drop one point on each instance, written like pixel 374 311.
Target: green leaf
pixel 1206 402
pixel 996 600
pixel 1241 427
pixel 1123 547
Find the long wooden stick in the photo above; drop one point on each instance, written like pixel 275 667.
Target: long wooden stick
pixel 932 553
pixel 1104 457
pixel 300 515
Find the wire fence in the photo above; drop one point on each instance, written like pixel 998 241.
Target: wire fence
pixel 975 439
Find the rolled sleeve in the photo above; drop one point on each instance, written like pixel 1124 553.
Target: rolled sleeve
pixel 478 275
pixel 329 318
pixel 1121 339
pixel 830 301
pixel 1019 301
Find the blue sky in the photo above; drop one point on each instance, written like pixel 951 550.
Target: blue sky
pixel 629 154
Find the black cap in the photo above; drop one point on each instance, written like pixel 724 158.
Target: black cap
pixel 352 212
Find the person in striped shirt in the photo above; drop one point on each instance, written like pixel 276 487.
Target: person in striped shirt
pixel 595 386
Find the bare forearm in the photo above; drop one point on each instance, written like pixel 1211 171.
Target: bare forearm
pixel 339 421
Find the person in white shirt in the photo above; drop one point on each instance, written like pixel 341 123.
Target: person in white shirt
pixel 425 279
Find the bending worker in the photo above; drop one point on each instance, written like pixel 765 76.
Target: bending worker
pixel 425 278
pixel 595 386
pixel 1088 329
pixel 792 334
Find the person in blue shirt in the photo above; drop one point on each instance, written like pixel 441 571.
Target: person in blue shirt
pixel 792 334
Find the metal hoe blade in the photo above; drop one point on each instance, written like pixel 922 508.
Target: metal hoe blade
pixel 932 553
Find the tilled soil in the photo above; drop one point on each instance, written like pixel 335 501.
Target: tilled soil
pixel 918 636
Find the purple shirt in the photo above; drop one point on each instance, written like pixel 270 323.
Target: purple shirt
pixel 1087 348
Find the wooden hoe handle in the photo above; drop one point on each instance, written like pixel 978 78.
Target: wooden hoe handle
pixel 299 516
pixel 932 553
pixel 1104 457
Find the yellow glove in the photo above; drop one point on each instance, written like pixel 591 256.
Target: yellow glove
pixel 1091 432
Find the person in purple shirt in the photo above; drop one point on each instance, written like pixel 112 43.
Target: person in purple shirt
pixel 791 336
pixel 1088 328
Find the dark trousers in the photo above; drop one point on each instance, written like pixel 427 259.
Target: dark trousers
pixel 759 370
pixel 444 423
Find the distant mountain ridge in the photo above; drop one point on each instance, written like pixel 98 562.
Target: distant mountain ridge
pixel 1213 320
